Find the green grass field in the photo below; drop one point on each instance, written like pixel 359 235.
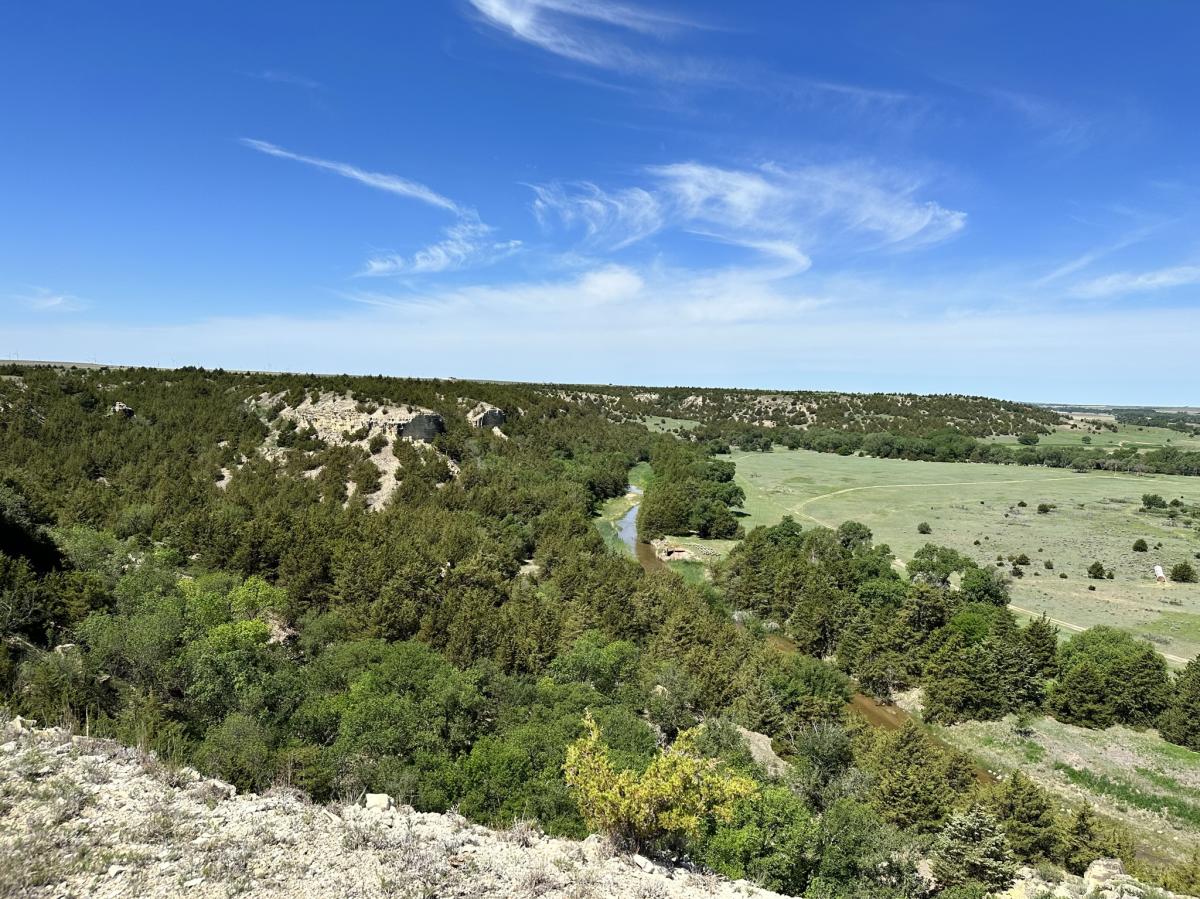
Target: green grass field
pixel 1096 517
pixel 1125 435
pixel 662 424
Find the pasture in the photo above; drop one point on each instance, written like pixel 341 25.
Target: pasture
pixel 975 510
pixel 1142 438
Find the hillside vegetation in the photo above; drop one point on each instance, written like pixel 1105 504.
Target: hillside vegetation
pixel 273 579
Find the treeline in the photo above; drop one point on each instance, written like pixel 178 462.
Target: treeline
pixel 949 446
pixel 902 413
pixel 836 594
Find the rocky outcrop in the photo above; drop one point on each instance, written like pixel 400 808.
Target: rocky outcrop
pixel 485 415
pixel 83 817
pixel 1104 879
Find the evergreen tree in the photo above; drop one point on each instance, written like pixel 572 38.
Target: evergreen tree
pixel 1080 697
pixel 1083 842
pixel 1041 646
pixel 972 847
pixel 911 788
pixel 1180 723
pixel 1024 812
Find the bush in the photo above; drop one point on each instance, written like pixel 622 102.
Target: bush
pixel 1096 571
pixel 1153 501
pixel 674 796
pixel 1139 546
pixel 1049 565
pixel 1045 508
pixel 924 528
pixel 1183 573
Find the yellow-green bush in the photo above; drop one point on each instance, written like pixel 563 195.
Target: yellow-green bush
pixel 673 796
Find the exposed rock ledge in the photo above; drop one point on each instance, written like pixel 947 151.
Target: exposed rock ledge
pixel 82 817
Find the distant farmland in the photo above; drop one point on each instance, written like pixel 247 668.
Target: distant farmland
pixel 1096 518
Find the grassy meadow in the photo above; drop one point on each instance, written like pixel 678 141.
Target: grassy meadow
pixel 1124 436
pixel 1152 786
pixel 974 509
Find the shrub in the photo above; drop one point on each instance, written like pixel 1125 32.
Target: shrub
pixel 1022 504
pixel 1139 546
pixel 1183 573
pixel 1045 508
pixel 1049 565
pixel 1153 501
pixel 675 794
pixel 924 528
pixel 1096 571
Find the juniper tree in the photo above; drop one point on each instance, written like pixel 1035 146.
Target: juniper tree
pixel 1025 813
pixel 972 847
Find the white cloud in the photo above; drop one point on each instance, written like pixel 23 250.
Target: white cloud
pixel 1137 282
pixel 44 300
pixel 1060 126
pixel 281 77
pixel 611 220
pixel 567 28
pixel 380 181
pixel 780 212
pixel 623 334
pixel 468 242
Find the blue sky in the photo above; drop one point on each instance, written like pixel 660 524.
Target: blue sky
pixel 990 198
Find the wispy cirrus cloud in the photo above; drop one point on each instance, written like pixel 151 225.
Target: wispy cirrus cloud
pixel 279 76
pixel 43 299
pixel 567 29
pixel 1120 283
pixel 781 212
pixel 393 184
pixel 1060 127
pixel 628 40
pixel 610 219
pixel 469 241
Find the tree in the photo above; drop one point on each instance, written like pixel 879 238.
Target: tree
pixel 1028 439
pixel 985 585
pixel 915 782
pixel 674 796
pixel 972 847
pixel 1025 813
pixel 1183 573
pixel 962 681
pixel 1041 645
pixel 1109 677
pixel 1139 546
pixel 1153 501
pixel 1180 723
pixel 1083 842
pixel 1080 697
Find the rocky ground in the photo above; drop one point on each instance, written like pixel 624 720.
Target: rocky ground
pixel 91 818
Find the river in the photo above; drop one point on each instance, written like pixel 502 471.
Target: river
pixel 627 531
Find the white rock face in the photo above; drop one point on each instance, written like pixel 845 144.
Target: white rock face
pixel 81 817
